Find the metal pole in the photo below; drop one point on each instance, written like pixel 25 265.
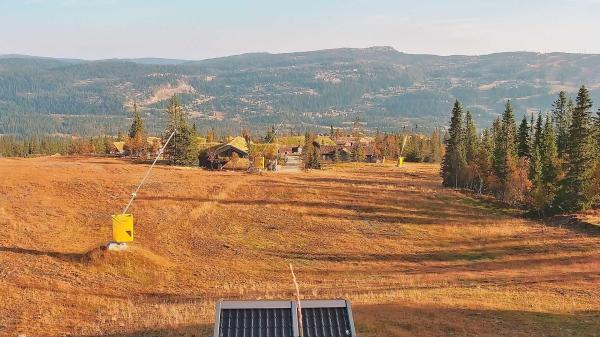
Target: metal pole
pixel 134 194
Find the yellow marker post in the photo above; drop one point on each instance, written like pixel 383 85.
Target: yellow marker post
pixel 383 161
pixel 260 163
pixel 400 161
pixel 122 228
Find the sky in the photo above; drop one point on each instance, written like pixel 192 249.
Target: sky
pixel 198 29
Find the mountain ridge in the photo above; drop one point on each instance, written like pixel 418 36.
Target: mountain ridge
pixel 388 89
pixel 149 59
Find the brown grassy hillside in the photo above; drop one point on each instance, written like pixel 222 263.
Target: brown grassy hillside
pixel 442 263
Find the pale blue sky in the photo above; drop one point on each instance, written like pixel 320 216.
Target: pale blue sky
pixel 96 29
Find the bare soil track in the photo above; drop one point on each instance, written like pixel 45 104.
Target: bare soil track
pixel 415 260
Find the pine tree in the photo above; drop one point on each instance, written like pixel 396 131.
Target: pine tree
pixel 183 148
pixel 523 139
pixel 454 161
pixel 575 194
pixel 562 114
pixel 471 139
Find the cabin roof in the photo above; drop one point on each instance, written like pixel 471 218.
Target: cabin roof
pixel 119 146
pixel 237 144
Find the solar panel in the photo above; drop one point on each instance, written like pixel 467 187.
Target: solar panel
pixel 278 319
pixel 273 322
pixel 327 319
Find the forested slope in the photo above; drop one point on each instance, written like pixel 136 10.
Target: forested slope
pixel 386 88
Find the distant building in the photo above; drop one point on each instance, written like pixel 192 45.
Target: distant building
pixel 328 152
pixel 289 150
pixel 345 150
pixel 236 145
pixel 117 148
pixel 350 141
pixel 230 155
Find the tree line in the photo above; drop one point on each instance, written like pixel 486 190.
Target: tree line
pixel 413 147
pixel 548 164
pixel 11 146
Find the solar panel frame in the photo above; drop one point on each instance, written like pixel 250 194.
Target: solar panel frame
pixel 330 318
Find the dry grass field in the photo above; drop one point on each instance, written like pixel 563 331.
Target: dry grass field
pixel 414 259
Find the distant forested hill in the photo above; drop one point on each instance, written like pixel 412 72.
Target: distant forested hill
pixel 383 87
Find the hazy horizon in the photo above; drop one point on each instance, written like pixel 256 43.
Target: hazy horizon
pixel 196 30
pixel 278 53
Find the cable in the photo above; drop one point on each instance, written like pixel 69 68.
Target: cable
pixel 134 194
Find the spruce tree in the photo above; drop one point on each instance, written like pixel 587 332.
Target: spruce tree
pixel 454 161
pixel 531 132
pixel 270 136
pixel 545 169
pixel 549 152
pixel 137 125
pixel 539 200
pixel 483 160
pixel 537 135
pixel 312 156
pixel 471 139
pixel 307 151
pixel 575 194
pixel 315 162
pixel 562 114
pixel 436 147
pixel 183 147
pixel 136 144
pixel 523 139
pixel 597 133
pixel 496 130
pixel 510 129
pixel 336 156
pixel 505 151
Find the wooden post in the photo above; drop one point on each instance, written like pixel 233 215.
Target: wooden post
pixel 299 313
